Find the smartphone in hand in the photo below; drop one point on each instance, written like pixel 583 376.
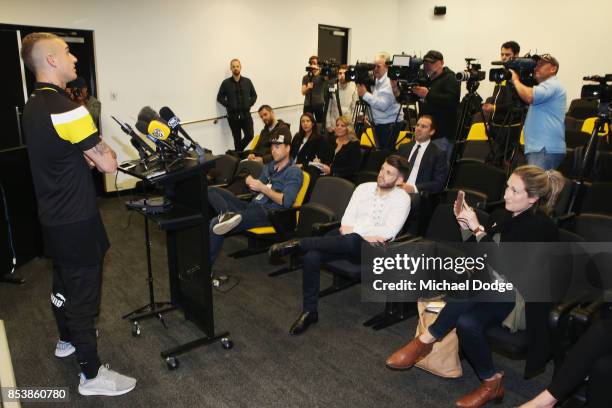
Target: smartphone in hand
pixel 459 203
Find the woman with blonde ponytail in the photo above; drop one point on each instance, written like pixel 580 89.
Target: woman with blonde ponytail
pixel 531 194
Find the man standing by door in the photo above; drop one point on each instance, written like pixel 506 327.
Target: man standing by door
pixel 237 94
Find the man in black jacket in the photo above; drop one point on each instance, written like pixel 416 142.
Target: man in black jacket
pixel 237 95
pixel 272 128
pixel 503 123
pixel 440 99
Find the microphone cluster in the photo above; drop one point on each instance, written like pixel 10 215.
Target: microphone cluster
pixel 164 130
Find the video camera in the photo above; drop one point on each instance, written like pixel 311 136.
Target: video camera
pixel 362 73
pixel 602 91
pixel 406 70
pixel 472 72
pixel 328 68
pixel 524 67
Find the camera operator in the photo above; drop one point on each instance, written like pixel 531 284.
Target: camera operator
pixel 347 94
pixel 544 126
pixel 313 89
pixel 440 99
pixel 237 94
pixel 79 93
pixel 383 104
pixel 496 109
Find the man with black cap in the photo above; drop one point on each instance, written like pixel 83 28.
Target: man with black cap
pixel 544 125
pixel 440 99
pixel 277 188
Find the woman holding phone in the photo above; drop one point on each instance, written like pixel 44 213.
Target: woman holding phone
pixel 530 196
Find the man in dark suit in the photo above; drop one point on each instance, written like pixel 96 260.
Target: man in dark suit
pixel 428 172
pixel 428 163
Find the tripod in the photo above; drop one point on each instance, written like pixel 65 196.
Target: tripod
pixel 588 161
pixel 360 113
pixel 405 107
pixel 328 97
pixel 153 308
pixel 468 110
pixel 511 145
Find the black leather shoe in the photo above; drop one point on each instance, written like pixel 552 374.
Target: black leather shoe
pixel 302 323
pixel 284 248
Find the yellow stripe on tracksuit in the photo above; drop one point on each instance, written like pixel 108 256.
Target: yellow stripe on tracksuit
pixel 75 125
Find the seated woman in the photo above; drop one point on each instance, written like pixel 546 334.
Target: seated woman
pixel 530 195
pixel 347 153
pixel 591 356
pixel 308 144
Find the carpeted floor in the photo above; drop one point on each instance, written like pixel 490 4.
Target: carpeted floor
pixel 337 363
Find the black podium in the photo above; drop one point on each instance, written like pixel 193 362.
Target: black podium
pixel 186 225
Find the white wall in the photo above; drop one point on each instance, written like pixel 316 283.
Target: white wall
pixel 153 52
pixel 177 53
pixel 576 33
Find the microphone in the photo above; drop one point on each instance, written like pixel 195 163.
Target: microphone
pixel 148 114
pixel 143 128
pixel 175 124
pixel 134 138
pixel 158 129
pixel 498 63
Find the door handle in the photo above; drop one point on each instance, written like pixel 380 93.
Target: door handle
pixel 18 116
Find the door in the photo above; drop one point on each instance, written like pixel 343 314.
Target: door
pixel 13 99
pixel 333 43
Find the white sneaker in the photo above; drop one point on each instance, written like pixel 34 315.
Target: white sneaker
pixel 64 349
pixel 107 382
pixel 227 222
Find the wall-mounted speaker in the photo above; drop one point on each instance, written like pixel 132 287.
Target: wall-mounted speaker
pixel 439 10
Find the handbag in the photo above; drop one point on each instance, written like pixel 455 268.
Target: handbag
pixel 443 360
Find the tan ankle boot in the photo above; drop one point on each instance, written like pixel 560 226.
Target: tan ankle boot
pixel 488 390
pixel 409 355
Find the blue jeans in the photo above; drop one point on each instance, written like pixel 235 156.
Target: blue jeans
pixel 445 145
pixel 319 250
pixel 547 161
pixel 472 320
pixel 253 215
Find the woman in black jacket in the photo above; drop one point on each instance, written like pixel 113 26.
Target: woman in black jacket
pixel 308 144
pixel 346 159
pixel 590 357
pixel 530 195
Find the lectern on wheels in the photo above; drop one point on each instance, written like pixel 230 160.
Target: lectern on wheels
pixel 186 226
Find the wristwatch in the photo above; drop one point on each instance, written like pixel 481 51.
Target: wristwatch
pixel 478 229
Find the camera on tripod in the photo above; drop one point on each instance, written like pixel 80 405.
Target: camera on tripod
pixel 329 68
pixel 524 67
pixel 602 91
pixel 406 70
pixel 362 73
pixel 472 72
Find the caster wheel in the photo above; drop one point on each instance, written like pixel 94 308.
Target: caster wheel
pixel 227 343
pixel 135 329
pixel 172 363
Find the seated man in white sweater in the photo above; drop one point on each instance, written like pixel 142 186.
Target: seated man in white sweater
pixel 375 214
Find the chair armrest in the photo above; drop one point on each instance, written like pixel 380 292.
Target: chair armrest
pixel 320 228
pixel 489 206
pixel 562 310
pixel 283 221
pixel 240 155
pixel 584 314
pixel 246 197
pixel 560 220
pixel 407 238
pixel 219 185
